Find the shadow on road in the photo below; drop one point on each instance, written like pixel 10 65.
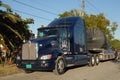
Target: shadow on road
pixel 117 62
pixel 51 71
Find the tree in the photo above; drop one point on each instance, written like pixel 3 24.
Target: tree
pixel 115 44
pixel 114 27
pixel 65 14
pixel 8 8
pixel 13 29
pixel 71 13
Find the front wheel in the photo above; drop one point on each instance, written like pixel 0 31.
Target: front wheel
pixel 59 66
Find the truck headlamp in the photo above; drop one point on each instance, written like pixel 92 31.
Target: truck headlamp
pixel 46 57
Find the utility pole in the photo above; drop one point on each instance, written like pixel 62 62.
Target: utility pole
pixel 83 8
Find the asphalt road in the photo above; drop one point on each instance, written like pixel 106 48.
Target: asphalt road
pixel 104 71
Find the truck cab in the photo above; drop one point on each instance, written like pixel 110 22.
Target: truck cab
pixel 59 45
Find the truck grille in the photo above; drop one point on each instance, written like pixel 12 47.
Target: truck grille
pixel 29 51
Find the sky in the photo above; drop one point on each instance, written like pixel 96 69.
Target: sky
pixel 45 11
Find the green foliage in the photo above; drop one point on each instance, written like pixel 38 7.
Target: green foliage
pixel 28 21
pixel 65 14
pixel 114 27
pixel 115 44
pixel 8 8
pixel 13 29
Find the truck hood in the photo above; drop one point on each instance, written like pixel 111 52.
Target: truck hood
pixel 38 47
pixel 46 44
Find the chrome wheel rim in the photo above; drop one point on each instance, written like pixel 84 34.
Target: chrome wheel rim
pixel 60 66
pixel 93 61
pixel 97 60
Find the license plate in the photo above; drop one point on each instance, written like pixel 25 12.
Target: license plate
pixel 28 66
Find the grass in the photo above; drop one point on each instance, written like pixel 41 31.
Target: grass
pixel 8 70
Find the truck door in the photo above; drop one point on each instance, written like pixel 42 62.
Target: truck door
pixel 80 44
pixel 65 45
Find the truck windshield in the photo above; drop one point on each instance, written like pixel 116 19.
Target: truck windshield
pixel 47 32
pixel 62 33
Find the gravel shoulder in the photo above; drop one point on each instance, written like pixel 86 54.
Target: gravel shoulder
pixel 104 71
pixel 9 69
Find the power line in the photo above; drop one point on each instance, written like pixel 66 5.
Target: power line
pixel 83 8
pixel 93 6
pixel 97 8
pixel 42 3
pixel 35 7
pixel 83 5
pixel 31 15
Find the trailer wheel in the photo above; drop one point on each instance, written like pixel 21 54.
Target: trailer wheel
pixel 59 66
pixel 92 61
pixel 97 60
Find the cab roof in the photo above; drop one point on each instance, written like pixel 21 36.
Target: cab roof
pixel 67 21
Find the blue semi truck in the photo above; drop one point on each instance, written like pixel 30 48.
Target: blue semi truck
pixel 62 44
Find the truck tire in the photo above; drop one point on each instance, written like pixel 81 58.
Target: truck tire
pixel 97 60
pixel 59 66
pixel 92 61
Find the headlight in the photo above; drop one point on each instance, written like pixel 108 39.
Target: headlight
pixel 46 57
